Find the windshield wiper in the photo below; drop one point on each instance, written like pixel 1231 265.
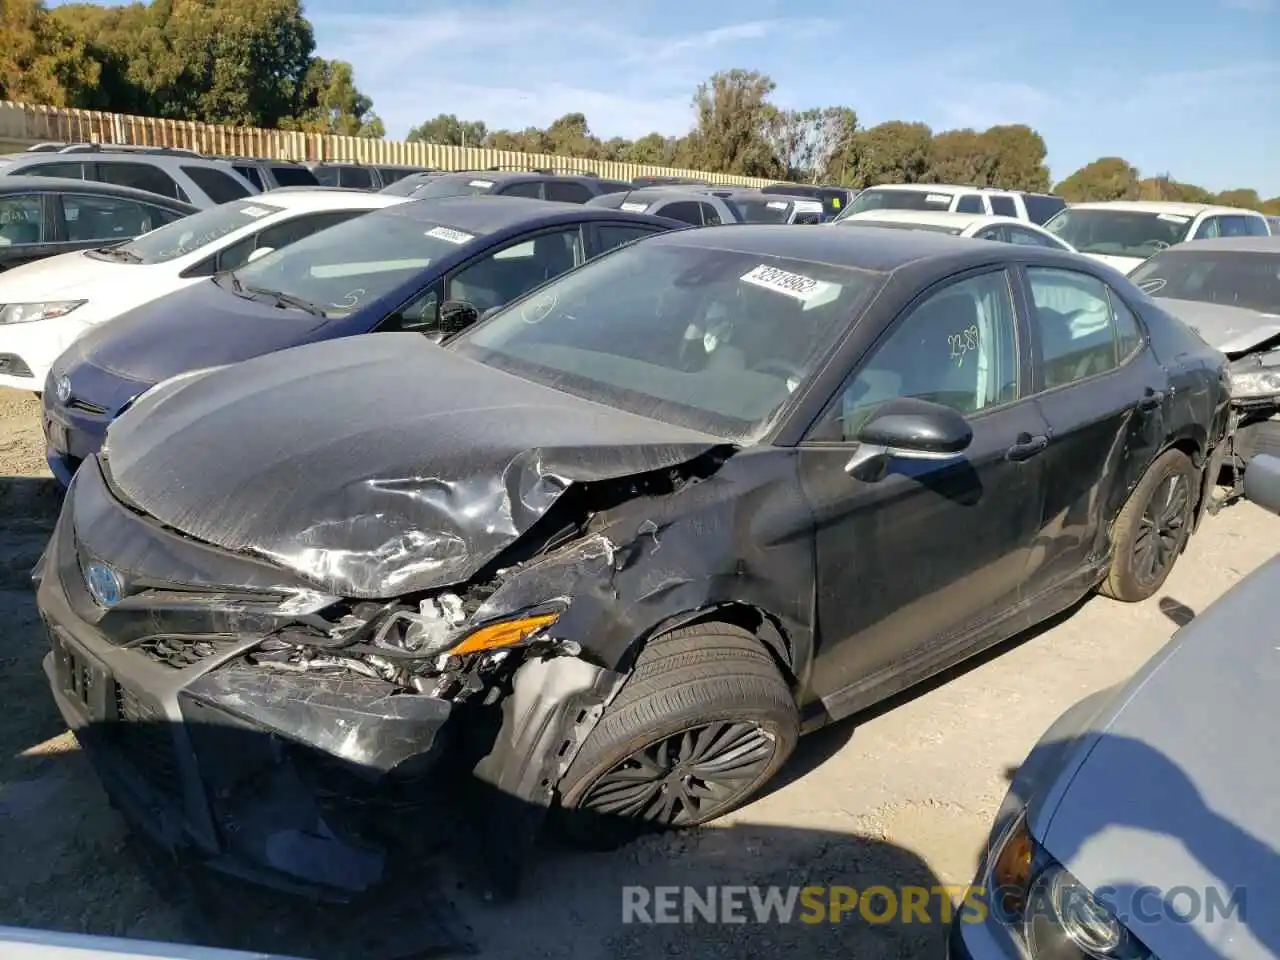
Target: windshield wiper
pixel 283 299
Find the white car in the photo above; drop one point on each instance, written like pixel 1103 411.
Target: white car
pixel 951 198
pixel 1123 233
pixel 976 225
pixel 45 305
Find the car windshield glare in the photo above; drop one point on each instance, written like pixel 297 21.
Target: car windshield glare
pixel 760 211
pixel 1232 278
pixel 342 268
pixel 453 187
pixel 193 233
pixel 1119 233
pixel 886 199
pixel 903 225
pixel 710 339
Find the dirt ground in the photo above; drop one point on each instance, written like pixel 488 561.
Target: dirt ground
pixel 901 797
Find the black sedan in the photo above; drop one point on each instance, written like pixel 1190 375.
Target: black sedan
pixel 45 216
pixel 616 547
pixel 428 267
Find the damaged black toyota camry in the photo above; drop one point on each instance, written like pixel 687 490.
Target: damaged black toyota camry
pixel 612 550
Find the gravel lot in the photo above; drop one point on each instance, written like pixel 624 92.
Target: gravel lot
pixel 902 797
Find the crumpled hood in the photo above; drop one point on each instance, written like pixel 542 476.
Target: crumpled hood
pixel 200 326
pixel 374 465
pixel 55 278
pixel 1177 791
pixel 1232 330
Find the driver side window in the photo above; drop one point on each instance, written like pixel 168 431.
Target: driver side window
pixel 958 347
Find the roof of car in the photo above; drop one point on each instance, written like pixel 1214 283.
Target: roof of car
pixel 488 214
pixel 324 198
pixel 155 159
pixel 884 250
pixel 25 184
pixel 503 176
pixel 923 187
pixel 1233 245
pixel 1159 206
pixel 938 218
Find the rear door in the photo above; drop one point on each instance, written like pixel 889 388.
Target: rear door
pixel 1100 389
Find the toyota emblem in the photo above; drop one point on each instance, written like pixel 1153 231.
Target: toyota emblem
pixel 63 389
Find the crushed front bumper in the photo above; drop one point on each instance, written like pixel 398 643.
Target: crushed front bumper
pixel 271 778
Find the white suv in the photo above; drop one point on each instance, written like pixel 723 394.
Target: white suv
pixel 950 198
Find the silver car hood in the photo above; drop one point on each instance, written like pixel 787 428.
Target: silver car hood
pixel 1178 787
pixel 1233 330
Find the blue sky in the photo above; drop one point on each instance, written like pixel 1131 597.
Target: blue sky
pixel 1191 87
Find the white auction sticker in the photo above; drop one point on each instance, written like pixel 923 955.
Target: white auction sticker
pixel 938 198
pixel 1172 218
pixel 635 207
pixel 776 205
pixel 805 289
pixel 254 211
pixel 482 184
pixel 449 234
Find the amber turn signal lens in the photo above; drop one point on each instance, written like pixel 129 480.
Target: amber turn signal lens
pixel 1011 871
pixel 505 634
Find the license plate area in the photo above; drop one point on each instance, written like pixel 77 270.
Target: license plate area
pixel 82 680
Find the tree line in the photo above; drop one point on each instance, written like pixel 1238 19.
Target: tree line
pixel 253 63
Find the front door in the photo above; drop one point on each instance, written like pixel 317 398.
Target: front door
pixel 909 566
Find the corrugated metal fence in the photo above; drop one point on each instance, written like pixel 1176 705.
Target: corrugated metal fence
pixel 26 123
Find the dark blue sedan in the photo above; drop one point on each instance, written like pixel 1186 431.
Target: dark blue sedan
pixel 430 266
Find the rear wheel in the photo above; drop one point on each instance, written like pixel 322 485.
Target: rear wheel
pixel 1152 529
pixel 705 719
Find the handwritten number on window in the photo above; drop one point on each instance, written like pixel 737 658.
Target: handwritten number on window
pixel 962 343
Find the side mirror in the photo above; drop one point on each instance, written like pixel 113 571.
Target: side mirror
pixel 259 253
pixel 909 429
pixel 489 313
pixel 456 316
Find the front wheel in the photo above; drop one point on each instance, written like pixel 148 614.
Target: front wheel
pixel 705 719
pixel 1152 529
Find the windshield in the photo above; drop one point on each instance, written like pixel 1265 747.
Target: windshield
pixel 901 225
pixel 1235 279
pixel 886 198
pixel 189 234
pixel 710 339
pixel 453 187
pixel 340 269
pixel 759 211
pixel 1119 233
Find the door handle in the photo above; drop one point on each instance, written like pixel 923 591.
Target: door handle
pixel 1151 399
pixel 1026 447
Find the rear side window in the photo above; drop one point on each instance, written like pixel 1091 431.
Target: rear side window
pixel 68 171
pixel 250 173
pixel 389 175
pixel 531 189
pixel 709 214
pixel 970 203
pixel 1255 227
pixel 105 218
pixel 140 176
pixel 288 175
pixel 567 192
pixel 21 220
pixel 1040 209
pixel 220 187
pixel 1003 206
pixel 327 176
pixel 685 210
pixel 357 177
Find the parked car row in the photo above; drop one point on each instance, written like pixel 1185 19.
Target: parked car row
pixel 451 464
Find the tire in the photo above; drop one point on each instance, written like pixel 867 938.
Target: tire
pixel 1145 524
pixel 696 689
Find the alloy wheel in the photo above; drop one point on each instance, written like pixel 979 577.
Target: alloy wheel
pixel 684 778
pixel 1161 530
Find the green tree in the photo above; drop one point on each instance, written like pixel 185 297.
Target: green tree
pixel 893 152
pixel 1240 197
pixel 41 61
pixel 447 129
pixel 962 156
pixel 1107 178
pixel 331 103
pixel 734 121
